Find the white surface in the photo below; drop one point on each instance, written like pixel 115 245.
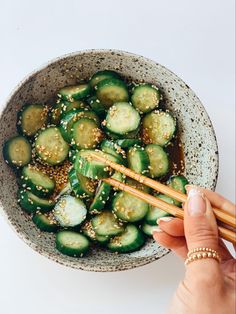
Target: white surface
pixel 195 39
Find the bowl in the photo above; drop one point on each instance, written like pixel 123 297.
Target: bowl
pixel 195 128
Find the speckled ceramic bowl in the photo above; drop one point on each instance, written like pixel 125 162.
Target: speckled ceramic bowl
pixel 196 131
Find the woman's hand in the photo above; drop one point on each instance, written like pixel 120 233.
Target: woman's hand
pixel 208 287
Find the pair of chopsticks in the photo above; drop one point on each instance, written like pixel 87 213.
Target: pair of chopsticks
pixel 221 216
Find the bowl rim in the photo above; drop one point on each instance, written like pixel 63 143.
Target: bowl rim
pixel 145 260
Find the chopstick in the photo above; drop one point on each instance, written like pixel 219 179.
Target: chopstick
pixel 169 208
pixel 220 215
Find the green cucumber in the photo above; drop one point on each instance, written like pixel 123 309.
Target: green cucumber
pixel 129 241
pixel 138 160
pixel 145 97
pixel 45 222
pixel 158 127
pixel 155 213
pixel 37 182
pixel 101 76
pixel 17 151
pixel 31 118
pixel 113 148
pixel 32 203
pixel 106 224
pixel 127 143
pixel 159 161
pixel 88 231
pixel 122 118
pixel 148 229
pixel 178 183
pixel 96 106
pixel 72 243
pixel 82 186
pixel 76 92
pixel 67 106
pixel 70 211
pixel 129 208
pixel 100 198
pixel 51 147
pixel 55 114
pixel 137 185
pixel 111 91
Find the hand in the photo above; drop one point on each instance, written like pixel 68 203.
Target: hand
pixel 208 287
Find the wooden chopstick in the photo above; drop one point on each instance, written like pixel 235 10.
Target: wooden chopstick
pixel 226 234
pixel 220 215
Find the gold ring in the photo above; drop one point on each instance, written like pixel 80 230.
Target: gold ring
pixel 202 253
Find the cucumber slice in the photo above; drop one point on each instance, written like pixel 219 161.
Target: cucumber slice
pixel 76 92
pixel 37 182
pixel 178 183
pixel 72 155
pixel 88 231
pixel 55 114
pixel 101 197
pixel 106 224
pixel 122 118
pixel 137 185
pixel 83 187
pixel 31 118
pixel 32 203
pixel 148 229
pixel 158 127
pixel 51 147
pixel 87 166
pixel 159 161
pixel 138 160
pixel 67 106
pixel 17 151
pixel 129 241
pixel 118 176
pixel 86 134
pixel 155 213
pixel 68 120
pixel 45 222
pixel 127 143
pixel 96 106
pixel 111 91
pixel 71 243
pixel 101 76
pixel 145 97
pixel 70 211
pixel 129 208
pixel 113 149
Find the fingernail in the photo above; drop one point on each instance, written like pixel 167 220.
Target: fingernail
pixel 157 229
pixel 196 205
pixel 166 219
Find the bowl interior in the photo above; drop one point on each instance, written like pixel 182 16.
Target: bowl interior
pixel 196 133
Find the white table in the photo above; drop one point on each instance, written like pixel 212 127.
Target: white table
pixel 195 39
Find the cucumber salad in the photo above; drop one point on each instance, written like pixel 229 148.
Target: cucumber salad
pixel 60 184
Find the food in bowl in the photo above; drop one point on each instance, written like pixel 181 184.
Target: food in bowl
pixel 60 185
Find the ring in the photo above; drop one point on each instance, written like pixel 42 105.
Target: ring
pixel 202 253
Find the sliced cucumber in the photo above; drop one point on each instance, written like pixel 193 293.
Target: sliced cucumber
pixel 37 182
pixel 118 176
pixel 82 186
pixel 51 147
pixel 70 211
pixel 106 224
pixel 138 159
pixel 155 213
pixel 127 143
pixel 75 92
pixel 129 241
pixel 72 155
pixel 111 91
pixel 129 208
pixel 96 106
pixel 145 97
pixel 122 118
pixel 68 120
pixel 113 148
pixel 17 151
pixel 67 106
pixel 89 167
pixel 159 161
pixel 101 76
pixel 32 203
pixel 71 243
pixel 178 183
pixel 89 232
pixel 31 118
pixel 45 222
pixel 86 134
pixel 55 114
pixel 158 128
pixel 137 185
pixel 148 229
pixel 101 197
